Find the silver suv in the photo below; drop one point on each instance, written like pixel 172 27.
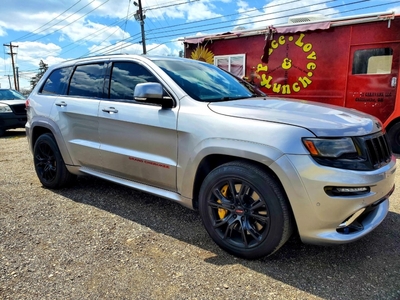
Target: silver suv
pixel 257 169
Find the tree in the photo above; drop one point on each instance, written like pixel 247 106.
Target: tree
pixel 42 68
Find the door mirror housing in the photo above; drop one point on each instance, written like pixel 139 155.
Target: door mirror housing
pixel 152 92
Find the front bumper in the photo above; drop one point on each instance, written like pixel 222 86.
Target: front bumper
pixel 323 218
pixel 11 121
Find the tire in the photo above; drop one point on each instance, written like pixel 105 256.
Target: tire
pixel 244 210
pixel 2 131
pixel 49 164
pixel 394 138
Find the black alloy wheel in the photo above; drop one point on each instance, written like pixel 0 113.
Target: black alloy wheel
pixel 49 165
pixel 244 210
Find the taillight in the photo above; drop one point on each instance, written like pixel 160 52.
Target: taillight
pixel 27 103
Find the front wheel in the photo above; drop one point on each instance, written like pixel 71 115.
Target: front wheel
pixel 49 164
pixel 244 210
pixel 394 138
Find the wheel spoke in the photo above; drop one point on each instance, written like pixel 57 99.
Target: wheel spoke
pixel 254 233
pixel 225 203
pixel 257 205
pixel 262 219
pixel 232 190
pixel 244 191
pixel 221 222
pixel 231 226
pixel 244 238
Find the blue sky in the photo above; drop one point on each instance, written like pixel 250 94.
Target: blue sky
pixel 56 30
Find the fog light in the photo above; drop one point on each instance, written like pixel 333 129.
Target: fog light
pixel 351 189
pixel 346 191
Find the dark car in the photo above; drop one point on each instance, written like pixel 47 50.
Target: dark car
pixel 12 110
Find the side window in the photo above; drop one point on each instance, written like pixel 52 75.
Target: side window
pixel 231 63
pixel 57 82
pixel 373 61
pixel 125 76
pixel 87 81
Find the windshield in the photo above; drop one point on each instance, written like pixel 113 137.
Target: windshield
pixel 10 95
pixel 204 82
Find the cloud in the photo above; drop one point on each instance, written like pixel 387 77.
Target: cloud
pixel 396 9
pixel 2 31
pixel 33 52
pixel 191 11
pixel 276 12
pixel 94 32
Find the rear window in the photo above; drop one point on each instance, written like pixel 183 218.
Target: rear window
pixel 87 81
pixel 57 82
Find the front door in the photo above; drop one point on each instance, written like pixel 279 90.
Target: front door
pixel 138 139
pixel 373 78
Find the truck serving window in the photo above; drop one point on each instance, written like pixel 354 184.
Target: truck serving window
pixel 373 61
pixel 232 63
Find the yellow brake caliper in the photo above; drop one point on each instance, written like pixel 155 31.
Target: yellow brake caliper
pixel 221 211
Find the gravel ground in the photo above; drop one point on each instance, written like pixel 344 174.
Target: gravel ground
pixel 98 240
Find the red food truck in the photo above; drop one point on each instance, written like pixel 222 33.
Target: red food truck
pixel 351 62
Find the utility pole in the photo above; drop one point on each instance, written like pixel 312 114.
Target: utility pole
pixel 11 46
pixel 17 73
pixel 139 16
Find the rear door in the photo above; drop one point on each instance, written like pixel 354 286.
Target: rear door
pixel 138 139
pixel 76 114
pixel 373 78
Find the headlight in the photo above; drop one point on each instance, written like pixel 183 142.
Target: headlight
pixel 4 108
pixel 329 147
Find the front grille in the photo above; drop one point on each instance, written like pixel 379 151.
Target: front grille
pixel 18 109
pixel 378 150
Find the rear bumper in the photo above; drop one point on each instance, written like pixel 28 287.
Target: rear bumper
pixel 326 219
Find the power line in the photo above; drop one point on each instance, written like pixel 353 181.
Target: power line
pixel 214 28
pixel 152 37
pixel 185 28
pixel 72 21
pixel 33 32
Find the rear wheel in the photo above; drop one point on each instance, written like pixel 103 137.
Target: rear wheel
pixel 49 165
pixel 244 210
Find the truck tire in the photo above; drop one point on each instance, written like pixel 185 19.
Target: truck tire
pixel 244 210
pixel 49 164
pixel 394 138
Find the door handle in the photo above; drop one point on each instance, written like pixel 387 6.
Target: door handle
pixel 110 110
pixel 393 83
pixel 61 104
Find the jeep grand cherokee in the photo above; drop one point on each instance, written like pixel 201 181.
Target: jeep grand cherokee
pixel 257 169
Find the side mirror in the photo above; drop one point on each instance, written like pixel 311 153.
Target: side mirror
pixel 152 92
pixel 148 90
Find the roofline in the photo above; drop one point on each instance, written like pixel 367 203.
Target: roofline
pixel 342 21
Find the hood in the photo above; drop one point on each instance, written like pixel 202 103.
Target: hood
pixel 13 102
pixel 321 119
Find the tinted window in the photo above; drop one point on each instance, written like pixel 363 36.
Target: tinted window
pixel 373 61
pixel 87 81
pixel 202 81
pixel 8 94
pixel 57 82
pixel 125 76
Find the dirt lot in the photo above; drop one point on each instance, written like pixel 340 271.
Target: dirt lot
pixel 98 240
